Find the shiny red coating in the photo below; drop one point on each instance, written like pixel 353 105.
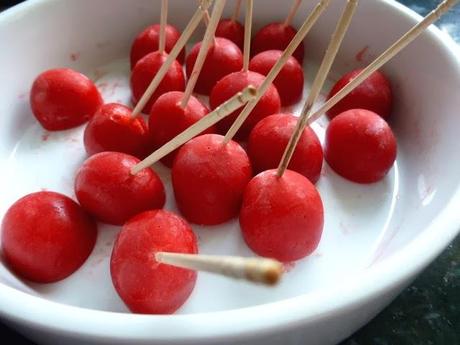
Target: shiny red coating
pixel 62 98
pixel 223 58
pixel 290 79
pixel 209 179
pixel 148 41
pixel 113 129
pixel 168 119
pixel 373 94
pixel 146 69
pixel 106 188
pixel 269 139
pixel 269 104
pixel 360 146
pixel 46 236
pixel 282 217
pixel 145 285
pixel 231 30
pixel 276 36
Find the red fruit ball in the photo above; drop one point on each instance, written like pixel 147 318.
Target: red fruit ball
pixel 276 36
pixel 145 285
pixel 289 81
pixel 373 94
pixel 360 146
pixel 230 85
pixel 46 236
pixel 106 188
pixel 269 139
pixel 168 119
pixel 146 69
pixel 209 179
pixel 282 217
pixel 224 57
pixel 148 41
pixel 113 129
pixel 63 98
pixel 231 30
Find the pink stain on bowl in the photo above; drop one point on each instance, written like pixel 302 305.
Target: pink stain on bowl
pixel 45 136
pixel 288 266
pixel 74 56
pixel 360 55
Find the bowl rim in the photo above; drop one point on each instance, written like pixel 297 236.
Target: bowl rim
pixel 37 312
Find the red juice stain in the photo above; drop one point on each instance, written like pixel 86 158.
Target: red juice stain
pixel 22 95
pixel 288 266
pixel 74 56
pixel 115 86
pixel 360 55
pixel 102 87
pixel 45 136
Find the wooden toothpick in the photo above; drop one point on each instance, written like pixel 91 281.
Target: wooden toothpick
pixel 183 39
pixel 326 64
pixel 256 270
pixel 386 56
pixel 298 38
pixel 212 118
pixel 236 13
pixel 247 34
pixel 163 19
pixel 292 12
pixel 205 44
pixel 206 18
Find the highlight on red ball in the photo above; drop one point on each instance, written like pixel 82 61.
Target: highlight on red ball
pixel 227 87
pixel 106 189
pixel 269 139
pixel 113 128
pixel 209 179
pixel 146 69
pixel 62 98
pixel 282 217
pixel 373 94
pixel 360 146
pixel 46 236
pixel 223 57
pixel 145 285
pixel 148 41
pixel 168 119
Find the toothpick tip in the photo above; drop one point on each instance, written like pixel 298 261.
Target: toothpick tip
pixel 274 274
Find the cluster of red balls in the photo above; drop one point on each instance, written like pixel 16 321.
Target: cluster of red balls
pixel 46 236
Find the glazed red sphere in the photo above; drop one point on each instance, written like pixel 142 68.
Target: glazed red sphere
pixel 373 94
pixel 145 285
pixel 276 36
pixel 148 41
pixel 146 69
pixel 282 217
pixel 46 236
pixel 113 129
pixel 106 189
pixel 223 58
pixel 360 146
pixel 168 119
pixel 62 98
pixel 269 139
pixel 209 179
pixel 289 81
pixel 231 30
pixel 230 85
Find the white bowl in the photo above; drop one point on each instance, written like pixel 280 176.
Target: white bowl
pixel 377 238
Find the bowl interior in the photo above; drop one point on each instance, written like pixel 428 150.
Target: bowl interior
pixel 365 224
